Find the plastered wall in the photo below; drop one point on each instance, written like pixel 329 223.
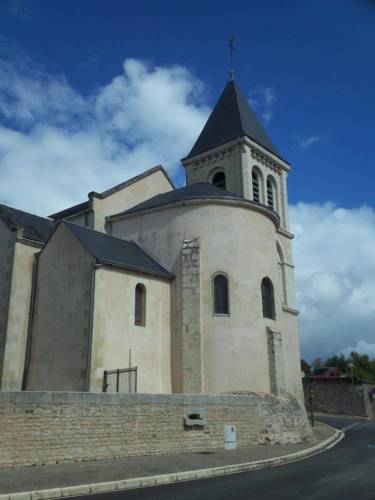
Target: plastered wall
pixel 18 318
pixel 131 195
pixel 61 320
pixel 115 334
pixel 7 246
pixel 242 243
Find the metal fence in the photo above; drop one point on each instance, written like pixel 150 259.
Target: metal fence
pixel 122 380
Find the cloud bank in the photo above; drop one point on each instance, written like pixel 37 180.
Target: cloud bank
pixel 335 278
pixel 56 145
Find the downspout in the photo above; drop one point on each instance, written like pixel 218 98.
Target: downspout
pixel 91 324
pixel 5 319
pixel 30 325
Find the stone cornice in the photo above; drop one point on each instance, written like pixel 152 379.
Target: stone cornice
pixel 290 310
pixel 263 156
pixel 234 202
pixel 223 151
pixel 285 233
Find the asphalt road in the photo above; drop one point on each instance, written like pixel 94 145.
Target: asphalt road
pixel 347 471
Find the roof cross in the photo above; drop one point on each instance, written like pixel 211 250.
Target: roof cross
pixel 231 50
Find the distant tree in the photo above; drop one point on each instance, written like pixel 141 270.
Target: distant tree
pixel 363 367
pixel 317 363
pixel 305 367
pixel 340 362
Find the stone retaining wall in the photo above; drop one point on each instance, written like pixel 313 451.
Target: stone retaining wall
pixel 340 397
pixel 54 427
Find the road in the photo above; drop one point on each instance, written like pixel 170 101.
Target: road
pixel 345 472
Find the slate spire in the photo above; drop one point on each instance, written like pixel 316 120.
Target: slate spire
pixel 232 117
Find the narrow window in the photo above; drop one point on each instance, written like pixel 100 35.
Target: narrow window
pixel 270 194
pixel 256 194
pixel 140 305
pixel 218 180
pixel 221 298
pixel 268 299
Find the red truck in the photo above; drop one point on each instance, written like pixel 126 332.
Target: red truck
pixel 326 372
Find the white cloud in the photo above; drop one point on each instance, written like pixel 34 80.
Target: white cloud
pixel 335 277
pixel 307 142
pixel 361 347
pixel 262 99
pixel 56 145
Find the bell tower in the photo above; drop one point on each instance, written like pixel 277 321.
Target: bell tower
pixel 235 153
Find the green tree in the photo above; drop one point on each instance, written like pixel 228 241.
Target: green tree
pixel 363 367
pixel 340 362
pixel 317 363
pixel 305 367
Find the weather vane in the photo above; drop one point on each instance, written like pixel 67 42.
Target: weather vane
pixel 231 50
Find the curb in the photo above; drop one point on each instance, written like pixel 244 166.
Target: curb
pixel 141 482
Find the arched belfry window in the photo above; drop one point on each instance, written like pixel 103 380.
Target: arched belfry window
pixel 221 294
pixel 270 193
pixel 256 186
pixel 271 188
pixel 268 299
pixel 140 305
pixel 218 180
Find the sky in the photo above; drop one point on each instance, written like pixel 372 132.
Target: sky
pixel 94 92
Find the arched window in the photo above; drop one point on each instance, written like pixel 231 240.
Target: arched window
pixel 268 299
pixel 256 186
pixel 270 193
pixel 140 305
pixel 218 180
pixel 221 294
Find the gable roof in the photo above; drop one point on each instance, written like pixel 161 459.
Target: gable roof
pixel 232 117
pixel 194 191
pixel 34 227
pixel 114 251
pixel 81 207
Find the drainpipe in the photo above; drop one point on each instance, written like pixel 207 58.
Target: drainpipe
pixel 30 325
pixel 91 323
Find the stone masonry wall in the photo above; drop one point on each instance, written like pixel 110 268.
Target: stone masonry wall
pixel 276 361
pixel 191 318
pixel 339 397
pixel 54 427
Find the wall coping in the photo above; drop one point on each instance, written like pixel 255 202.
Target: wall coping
pixel 102 398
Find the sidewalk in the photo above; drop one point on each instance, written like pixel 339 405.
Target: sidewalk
pixel 126 473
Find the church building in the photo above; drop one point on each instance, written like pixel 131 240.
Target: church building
pixel 156 289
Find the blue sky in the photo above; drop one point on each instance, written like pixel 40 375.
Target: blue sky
pixel 318 57
pixel 93 92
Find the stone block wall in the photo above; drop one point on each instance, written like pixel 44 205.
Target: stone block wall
pixel 339 397
pixel 191 318
pixel 54 427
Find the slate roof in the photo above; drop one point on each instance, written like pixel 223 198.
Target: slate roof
pixel 34 227
pixel 117 252
pixel 232 117
pixel 81 207
pixel 194 191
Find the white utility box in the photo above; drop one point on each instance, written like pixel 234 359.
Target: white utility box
pixel 230 440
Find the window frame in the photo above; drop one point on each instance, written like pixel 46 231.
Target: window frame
pixel 268 300
pixel 214 276
pixel 140 316
pixel 216 173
